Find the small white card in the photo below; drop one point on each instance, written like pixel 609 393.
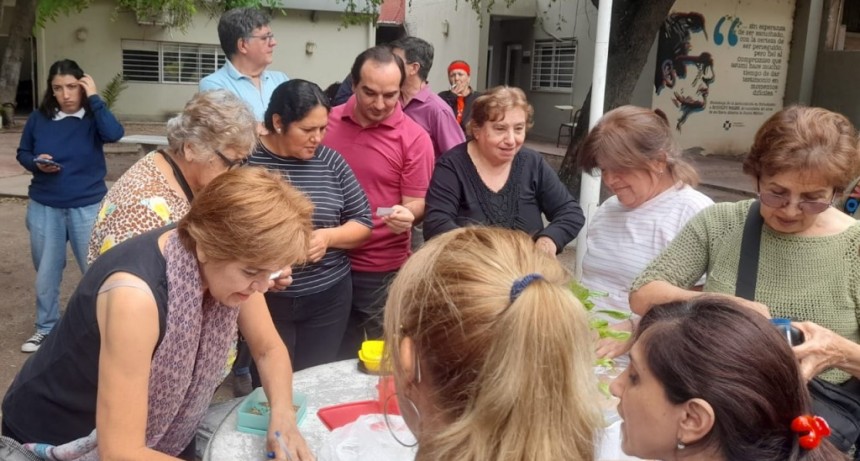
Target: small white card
pixel 384 211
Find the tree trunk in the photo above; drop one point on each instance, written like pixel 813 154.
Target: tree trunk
pixel 23 20
pixel 635 24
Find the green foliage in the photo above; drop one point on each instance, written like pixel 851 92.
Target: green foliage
pixel 50 10
pixel 110 93
pixel 599 325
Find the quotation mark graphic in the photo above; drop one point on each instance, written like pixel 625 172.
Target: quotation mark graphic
pixel 733 36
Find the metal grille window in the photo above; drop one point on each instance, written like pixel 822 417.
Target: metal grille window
pixel 553 65
pixel 168 62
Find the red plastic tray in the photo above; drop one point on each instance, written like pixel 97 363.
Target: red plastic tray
pixel 340 415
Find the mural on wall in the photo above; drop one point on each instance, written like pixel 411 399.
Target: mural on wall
pixel 721 70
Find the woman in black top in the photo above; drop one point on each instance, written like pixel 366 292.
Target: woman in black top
pixel 492 180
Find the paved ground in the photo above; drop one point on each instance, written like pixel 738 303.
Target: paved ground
pixel 722 180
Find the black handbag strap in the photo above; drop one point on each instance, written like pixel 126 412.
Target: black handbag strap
pixel 750 247
pixel 177 173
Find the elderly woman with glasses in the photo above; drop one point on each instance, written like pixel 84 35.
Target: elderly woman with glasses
pixel 802 159
pixel 214 133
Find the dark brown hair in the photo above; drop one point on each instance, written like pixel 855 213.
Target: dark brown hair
pixel 806 139
pixel 713 349
pixel 629 138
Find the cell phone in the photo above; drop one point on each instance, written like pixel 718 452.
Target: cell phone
pixel 47 162
pixel 275 275
pixel 384 211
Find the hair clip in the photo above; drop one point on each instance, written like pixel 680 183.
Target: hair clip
pixel 811 430
pixel 521 283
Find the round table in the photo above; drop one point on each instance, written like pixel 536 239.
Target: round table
pixel 332 384
pixel 324 385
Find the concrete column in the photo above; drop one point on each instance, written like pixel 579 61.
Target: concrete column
pixel 804 51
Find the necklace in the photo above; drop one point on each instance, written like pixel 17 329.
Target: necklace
pixel 180 178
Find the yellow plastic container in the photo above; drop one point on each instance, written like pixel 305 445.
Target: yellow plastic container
pixel 371 354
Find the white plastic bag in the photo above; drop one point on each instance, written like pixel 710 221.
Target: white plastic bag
pixel 368 439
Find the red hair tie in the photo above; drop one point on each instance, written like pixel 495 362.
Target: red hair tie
pixel 811 429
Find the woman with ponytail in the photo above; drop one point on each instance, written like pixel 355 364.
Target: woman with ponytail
pixel 710 380
pixel 490 351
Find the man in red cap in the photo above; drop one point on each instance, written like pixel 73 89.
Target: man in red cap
pixel 460 97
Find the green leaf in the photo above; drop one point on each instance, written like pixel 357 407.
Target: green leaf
pixel 604 389
pixel 619 335
pixel 605 362
pixel 617 315
pixel 598 324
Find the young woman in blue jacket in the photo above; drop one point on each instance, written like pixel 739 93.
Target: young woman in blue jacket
pixel 62 145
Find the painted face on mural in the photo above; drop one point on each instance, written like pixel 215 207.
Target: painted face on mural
pixel 682 67
pixel 692 78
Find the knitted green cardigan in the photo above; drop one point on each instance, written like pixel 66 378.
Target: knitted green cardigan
pixel 814 279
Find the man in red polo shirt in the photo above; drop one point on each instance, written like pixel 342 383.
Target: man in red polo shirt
pixel 392 158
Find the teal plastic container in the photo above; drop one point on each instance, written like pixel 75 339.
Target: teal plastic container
pixel 254 412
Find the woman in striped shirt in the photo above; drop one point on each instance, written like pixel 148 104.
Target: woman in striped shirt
pixel 654 198
pixel 311 315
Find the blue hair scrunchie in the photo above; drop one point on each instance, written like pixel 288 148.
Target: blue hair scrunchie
pixel 521 283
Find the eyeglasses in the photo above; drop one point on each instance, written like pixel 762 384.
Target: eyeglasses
pixel 781 201
pixel 231 163
pixel 266 38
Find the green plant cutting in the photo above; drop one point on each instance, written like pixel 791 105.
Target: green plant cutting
pixel 599 324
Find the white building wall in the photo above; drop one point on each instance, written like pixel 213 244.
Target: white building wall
pixel 426 19
pixel 100 54
pixel 468 41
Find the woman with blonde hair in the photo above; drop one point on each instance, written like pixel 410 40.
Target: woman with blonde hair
pixel 491 179
pixel 642 164
pixel 134 362
pixel 491 352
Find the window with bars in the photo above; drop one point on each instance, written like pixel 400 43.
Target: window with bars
pixel 169 62
pixel 553 65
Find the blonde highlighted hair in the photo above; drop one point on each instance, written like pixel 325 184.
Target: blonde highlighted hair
pixel 631 138
pixel 512 380
pixel 491 106
pixel 214 120
pixel 249 215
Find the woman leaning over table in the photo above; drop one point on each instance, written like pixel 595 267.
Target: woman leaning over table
pixel 311 315
pixel 70 128
pixel 214 133
pixel 491 352
pixel 491 179
pixel 809 264
pixel 654 198
pixel 142 346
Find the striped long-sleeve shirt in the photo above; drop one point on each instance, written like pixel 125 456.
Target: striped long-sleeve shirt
pixel 329 183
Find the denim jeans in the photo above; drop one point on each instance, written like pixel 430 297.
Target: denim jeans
pixel 50 228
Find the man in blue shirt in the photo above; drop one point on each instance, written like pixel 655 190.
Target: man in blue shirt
pixel 248 42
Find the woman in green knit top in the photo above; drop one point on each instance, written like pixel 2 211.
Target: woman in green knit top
pixel 809 262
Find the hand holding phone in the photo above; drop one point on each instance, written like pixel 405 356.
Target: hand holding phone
pixel 47 162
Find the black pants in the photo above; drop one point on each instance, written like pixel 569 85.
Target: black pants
pixel 311 326
pixel 188 454
pixel 7 432
pixel 369 292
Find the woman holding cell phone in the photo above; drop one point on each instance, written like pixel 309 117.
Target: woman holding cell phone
pixel 62 145
pixel 311 315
